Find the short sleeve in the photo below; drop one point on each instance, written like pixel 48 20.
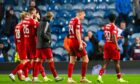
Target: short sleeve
pixel 78 24
pixel 113 29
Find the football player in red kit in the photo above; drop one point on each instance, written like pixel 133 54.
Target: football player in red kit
pixel 77 47
pixel 29 27
pixel 19 41
pixel 111 49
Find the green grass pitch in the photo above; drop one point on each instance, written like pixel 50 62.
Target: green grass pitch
pixel 108 79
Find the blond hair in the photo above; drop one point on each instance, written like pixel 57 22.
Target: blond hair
pixel 23 14
pixel 49 15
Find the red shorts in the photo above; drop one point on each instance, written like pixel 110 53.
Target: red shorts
pixel 21 52
pixel 30 51
pixel 111 52
pixel 74 48
pixel 44 53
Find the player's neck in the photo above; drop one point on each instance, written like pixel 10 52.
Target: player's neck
pixel 112 23
pixel 78 18
pixel 31 16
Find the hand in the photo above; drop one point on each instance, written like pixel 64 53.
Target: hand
pixel 120 37
pixel 85 45
pixel 80 46
pixel 118 48
pixel 37 16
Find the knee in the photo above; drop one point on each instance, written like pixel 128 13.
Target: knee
pixel 72 61
pixel 50 60
pixel 23 61
pixel 85 59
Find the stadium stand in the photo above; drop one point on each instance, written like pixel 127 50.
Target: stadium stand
pixel 96 15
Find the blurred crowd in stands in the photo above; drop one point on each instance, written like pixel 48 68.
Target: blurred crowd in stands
pixel 128 22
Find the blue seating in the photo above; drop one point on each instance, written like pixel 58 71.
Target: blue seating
pixel 66 1
pixel 102 6
pixel 85 22
pixel 18 8
pixel 89 14
pixel 43 8
pixel 17 14
pixel 78 6
pixel 65 29
pixel 84 26
pixel 67 6
pixel 90 6
pixel 107 12
pixel 110 1
pixel 54 1
pixel 58 51
pixel 72 13
pixel 59 22
pixel 96 21
pixel 54 30
pixel 63 14
pixel 54 37
pixel 99 13
pixel 93 28
pixel 61 36
pixel 53 44
pixel 111 6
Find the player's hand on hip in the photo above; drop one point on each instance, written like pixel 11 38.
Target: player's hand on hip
pixel 80 46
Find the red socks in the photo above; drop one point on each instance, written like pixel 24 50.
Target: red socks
pixel 70 69
pixel 52 68
pixel 18 67
pixel 101 72
pixel 26 68
pixel 84 69
pixel 41 69
pixel 35 69
pixel 119 75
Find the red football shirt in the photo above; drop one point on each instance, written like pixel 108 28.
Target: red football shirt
pixel 109 30
pixel 74 24
pixel 29 28
pixel 19 35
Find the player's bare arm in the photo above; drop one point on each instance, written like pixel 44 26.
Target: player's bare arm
pixel 78 35
pixel 115 41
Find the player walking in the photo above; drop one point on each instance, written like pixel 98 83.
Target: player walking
pixel 77 47
pixel 19 41
pixel 43 47
pixel 111 49
pixel 29 26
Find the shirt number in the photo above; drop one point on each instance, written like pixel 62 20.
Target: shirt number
pixel 107 35
pixel 25 29
pixel 71 30
pixel 17 33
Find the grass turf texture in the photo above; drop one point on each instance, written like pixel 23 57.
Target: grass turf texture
pixel 108 79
